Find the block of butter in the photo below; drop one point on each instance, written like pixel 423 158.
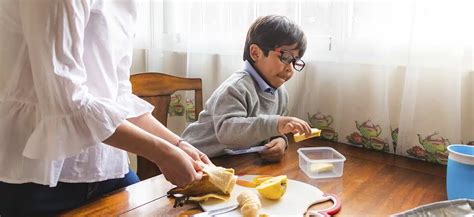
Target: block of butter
pixel 321 167
pixel 300 137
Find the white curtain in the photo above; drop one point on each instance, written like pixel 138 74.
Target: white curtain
pixel 387 75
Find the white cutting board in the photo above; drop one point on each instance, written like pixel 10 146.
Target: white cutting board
pixel 296 200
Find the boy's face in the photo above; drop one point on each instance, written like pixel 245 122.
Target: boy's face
pixel 272 69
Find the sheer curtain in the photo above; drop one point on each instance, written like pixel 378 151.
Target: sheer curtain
pixel 393 76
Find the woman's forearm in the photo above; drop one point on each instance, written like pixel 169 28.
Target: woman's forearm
pixel 150 124
pixel 177 166
pixel 136 140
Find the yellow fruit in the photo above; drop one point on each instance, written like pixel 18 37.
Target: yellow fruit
pixel 259 179
pixel 245 183
pixel 300 137
pixel 321 167
pixel 273 188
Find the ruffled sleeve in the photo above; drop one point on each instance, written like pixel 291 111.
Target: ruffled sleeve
pixel 135 106
pixel 69 118
pixel 64 136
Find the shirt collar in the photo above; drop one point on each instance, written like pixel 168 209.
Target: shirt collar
pixel 264 86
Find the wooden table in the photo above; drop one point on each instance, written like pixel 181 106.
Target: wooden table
pixel 373 184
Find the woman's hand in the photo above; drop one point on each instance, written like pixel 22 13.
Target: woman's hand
pixel 274 150
pixel 293 125
pixel 178 167
pixel 194 153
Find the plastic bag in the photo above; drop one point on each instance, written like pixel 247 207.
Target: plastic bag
pixel 449 208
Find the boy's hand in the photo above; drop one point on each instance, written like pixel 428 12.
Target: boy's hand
pixel 194 153
pixel 274 150
pixel 293 125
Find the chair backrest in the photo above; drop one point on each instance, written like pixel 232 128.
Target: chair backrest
pixel 157 89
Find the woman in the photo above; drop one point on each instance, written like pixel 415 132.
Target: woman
pixel 67 109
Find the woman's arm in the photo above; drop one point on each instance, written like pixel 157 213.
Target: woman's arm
pixel 151 125
pixel 178 167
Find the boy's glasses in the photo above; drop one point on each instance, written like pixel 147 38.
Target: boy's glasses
pixel 287 58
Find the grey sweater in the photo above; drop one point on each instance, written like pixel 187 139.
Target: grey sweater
pixel 237 115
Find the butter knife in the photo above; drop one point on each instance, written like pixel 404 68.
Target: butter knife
pixel 217 211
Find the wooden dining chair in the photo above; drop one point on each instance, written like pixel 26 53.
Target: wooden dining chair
pixel 157 89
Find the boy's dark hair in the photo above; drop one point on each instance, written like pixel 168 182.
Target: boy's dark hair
pixel 272 31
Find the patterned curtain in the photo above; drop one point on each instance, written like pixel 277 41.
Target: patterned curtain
pixel 394 76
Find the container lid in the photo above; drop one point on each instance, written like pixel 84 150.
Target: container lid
pixel 340 157
pixel 462 153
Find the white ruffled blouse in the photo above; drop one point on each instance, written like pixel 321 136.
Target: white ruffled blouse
pixel 64 88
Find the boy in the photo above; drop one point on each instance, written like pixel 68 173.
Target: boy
pixel 246 110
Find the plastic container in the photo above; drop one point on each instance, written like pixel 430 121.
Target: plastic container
pixel 321 162
pixel 460 177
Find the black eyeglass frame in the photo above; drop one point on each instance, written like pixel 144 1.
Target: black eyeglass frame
pixel 298 64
